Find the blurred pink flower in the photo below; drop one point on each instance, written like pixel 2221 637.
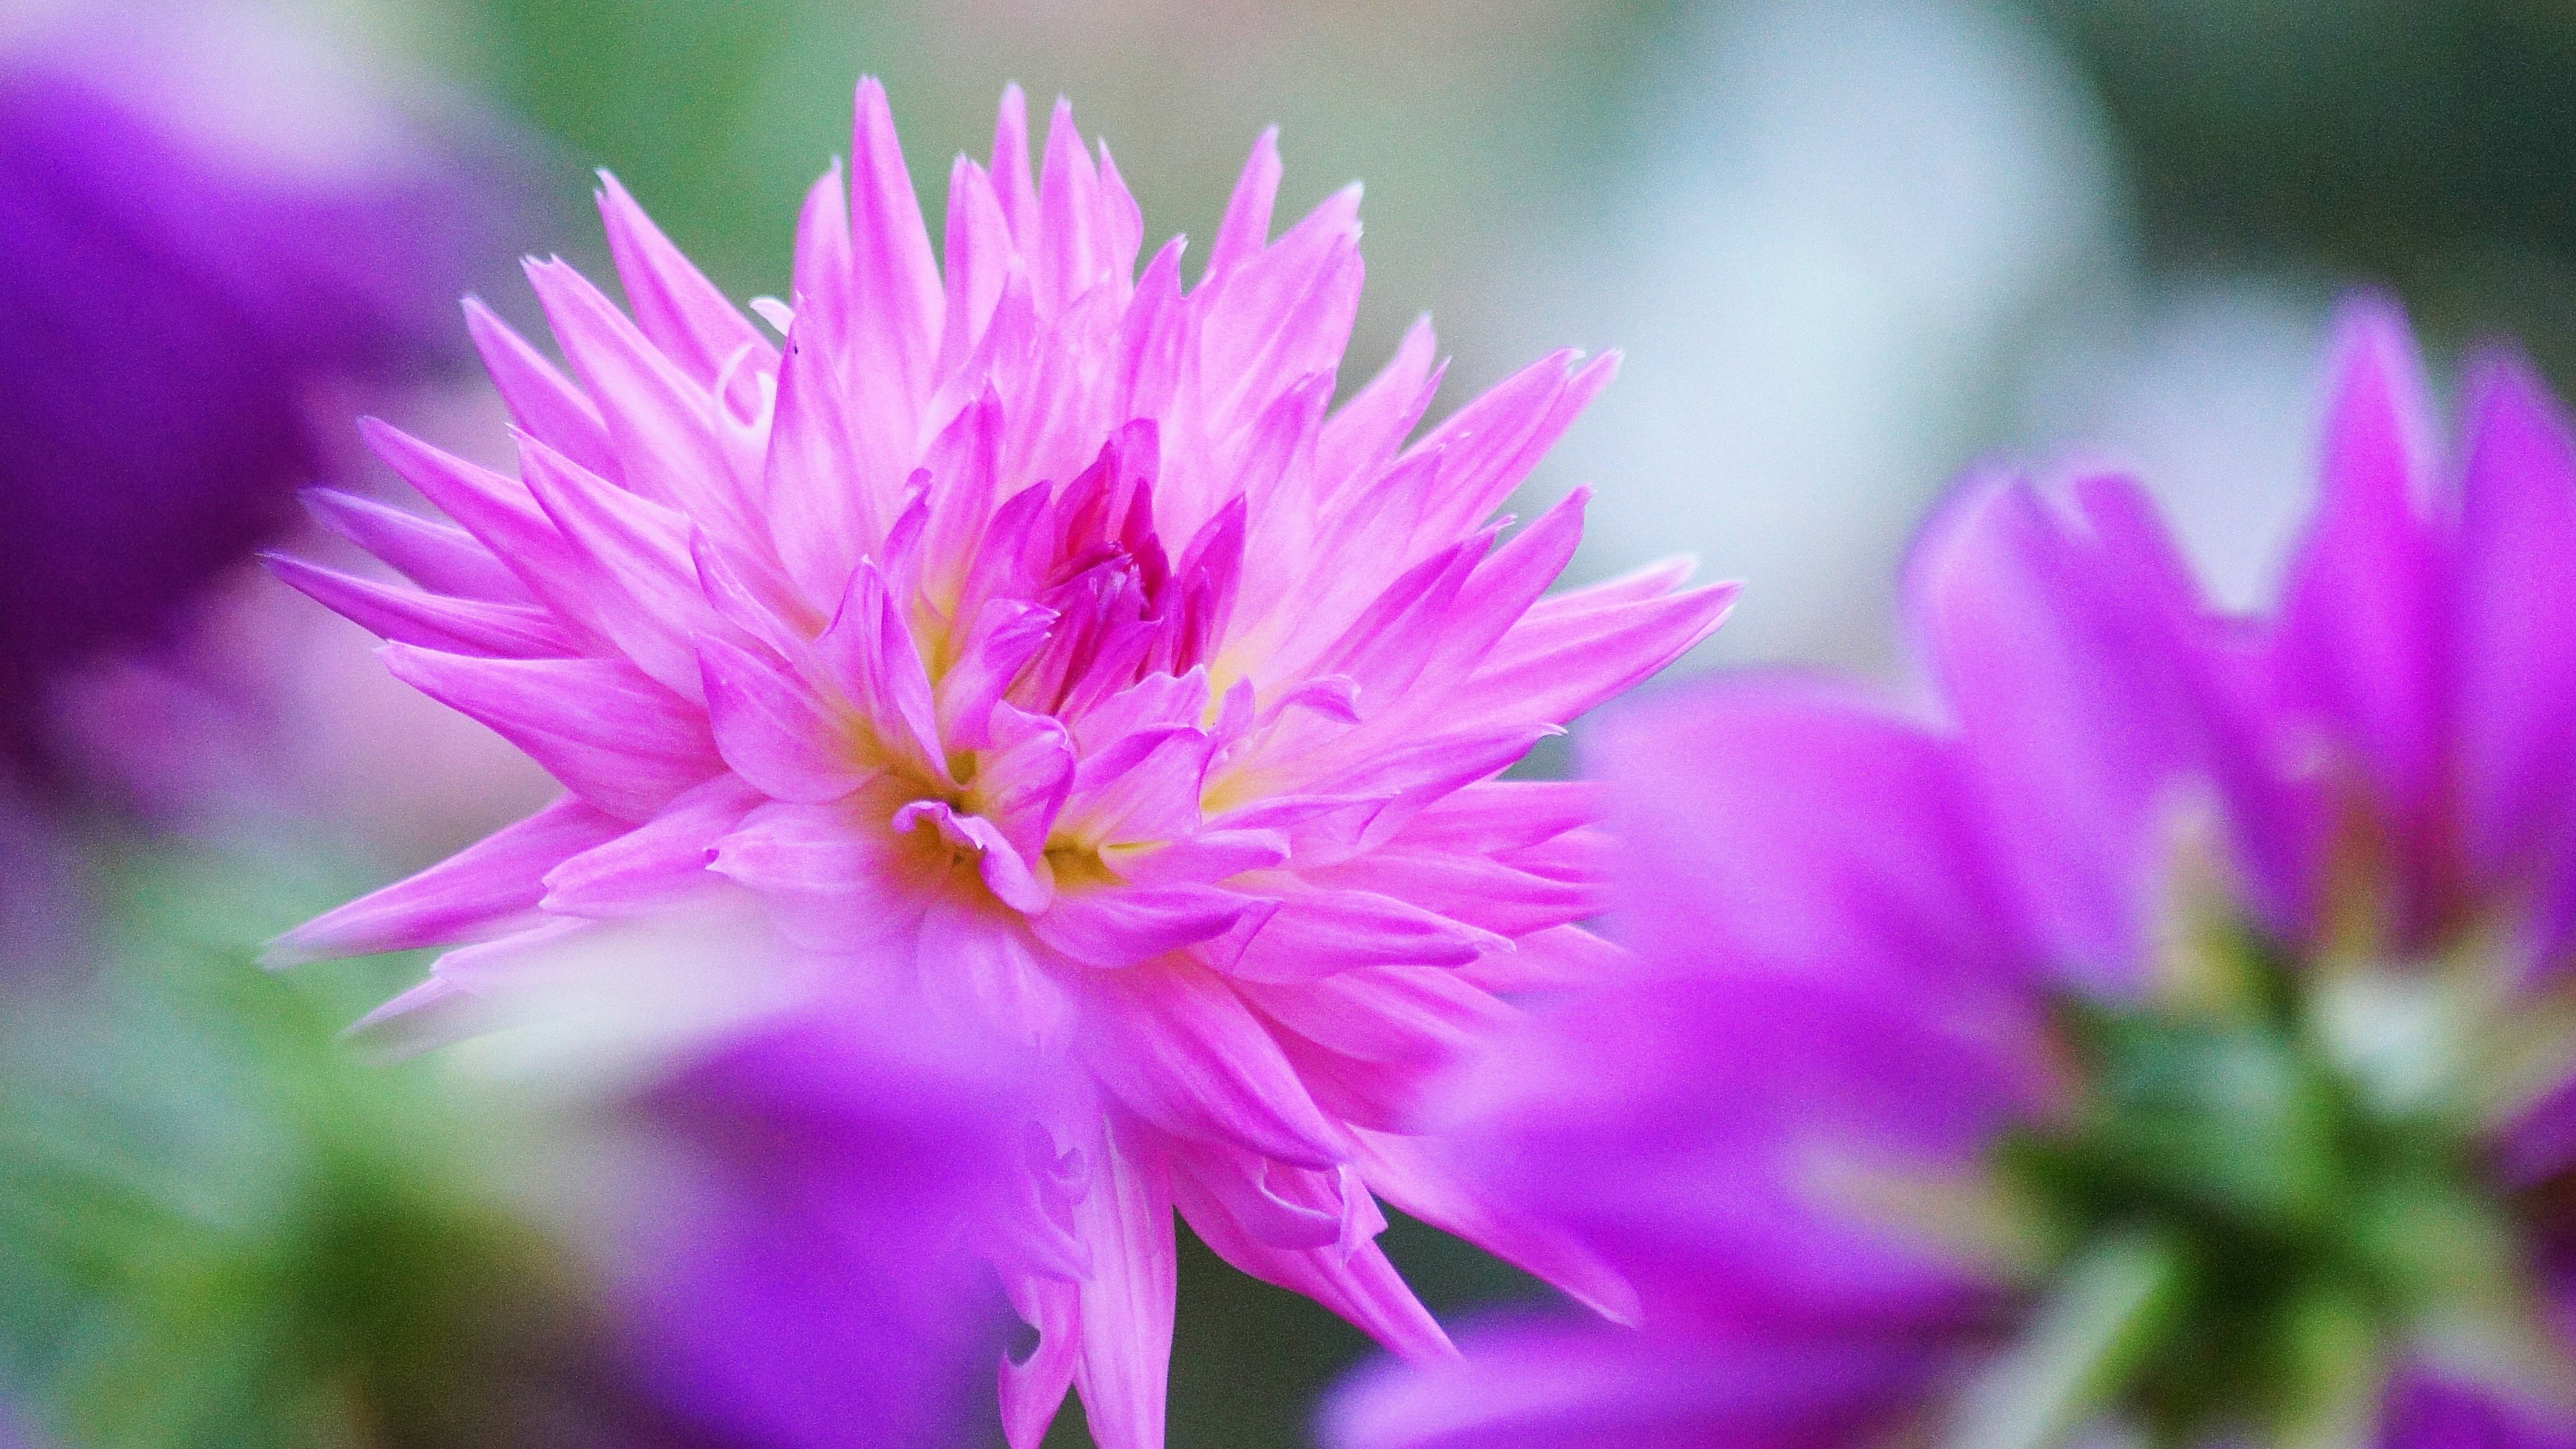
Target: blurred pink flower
pixel 1032 640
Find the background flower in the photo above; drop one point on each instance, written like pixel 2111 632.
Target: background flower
pixel 2165 1032
pixel 179 294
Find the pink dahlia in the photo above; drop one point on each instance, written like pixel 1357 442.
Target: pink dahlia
pixel 1032 639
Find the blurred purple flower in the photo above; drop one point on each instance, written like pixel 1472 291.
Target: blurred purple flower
pixel 814 1285
pixel 2169 1043
pixel 171 298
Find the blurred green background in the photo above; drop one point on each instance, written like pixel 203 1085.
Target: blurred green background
pixel 1850 246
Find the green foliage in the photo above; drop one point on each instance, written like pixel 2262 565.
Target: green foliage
pixel 222 1225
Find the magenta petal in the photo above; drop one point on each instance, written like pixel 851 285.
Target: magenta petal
pixel 543 403
pixel 2076 717
pixel 672 300
pixel 1317 934
pixel 610 734
pixel 1895 870
pixel 488 882
pixel 432 621
pixel 1404 1172
pixel 1245 1190
pixel 1550 1386
pixel 2516 690
pixel 1180 1049
pixel 771 728
pixel 833 888
pixel 430 554
pixel 1120 926
pixel 1356 1282
pixel 1128 1297
pixel 1206 858
pixel 1003 868
pixel 2362 636
pixel 643 869
pixel 869 654
pixel 1033 1387
pixel 1025 778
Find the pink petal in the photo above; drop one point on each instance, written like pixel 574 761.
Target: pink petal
pixel 659 420
pixel 773 731
pixel 542 401
pixel 971 956
pixel 1141 790
pixel 1410 1177
pixel 609 733
pixel 1180 1049
pixel 835 881
pixel 1316 934
pixel 491 881
pixel 1127 1300
pixel 1119 925
pixel 432 555
pixel 1415 1015
pixel 1023 780
pixel 1205 858
pixel 432 621
pixel 869 653
pixel 1006 873
pixel 646 867
pixel 1034 1387
pixel 1245 229
pixel 896 336
pixel 643 592
pixel 1359 1284
pixel 674 304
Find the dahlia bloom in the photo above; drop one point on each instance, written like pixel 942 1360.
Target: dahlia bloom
pixel 141 458
pixel 2164 1039
pixel 1031 638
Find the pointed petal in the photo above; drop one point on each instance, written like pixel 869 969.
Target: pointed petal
pixel 1176 1046
pixel 541 400
pixel 897 334
pixel 493 880
pixel 1119 925
pixel 772 730
pixel 1361 1286
pixel 1318 933
pixel 1406 1174
pixel 433 555
pixel 1034 1387
pixel 1246 227
pixel 655 862
pixel 672 300
pixel 603 728
pixel 2517 630
pixel 1127 1301
pixel 433 621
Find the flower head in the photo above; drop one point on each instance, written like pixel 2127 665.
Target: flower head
pixel 2168 1042
pixel 1033 639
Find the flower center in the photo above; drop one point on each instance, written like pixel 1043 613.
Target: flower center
pixel 2255 1197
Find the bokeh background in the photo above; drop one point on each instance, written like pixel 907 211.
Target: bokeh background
pixel 1848 246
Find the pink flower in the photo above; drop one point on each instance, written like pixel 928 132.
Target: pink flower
pixel 1032 639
